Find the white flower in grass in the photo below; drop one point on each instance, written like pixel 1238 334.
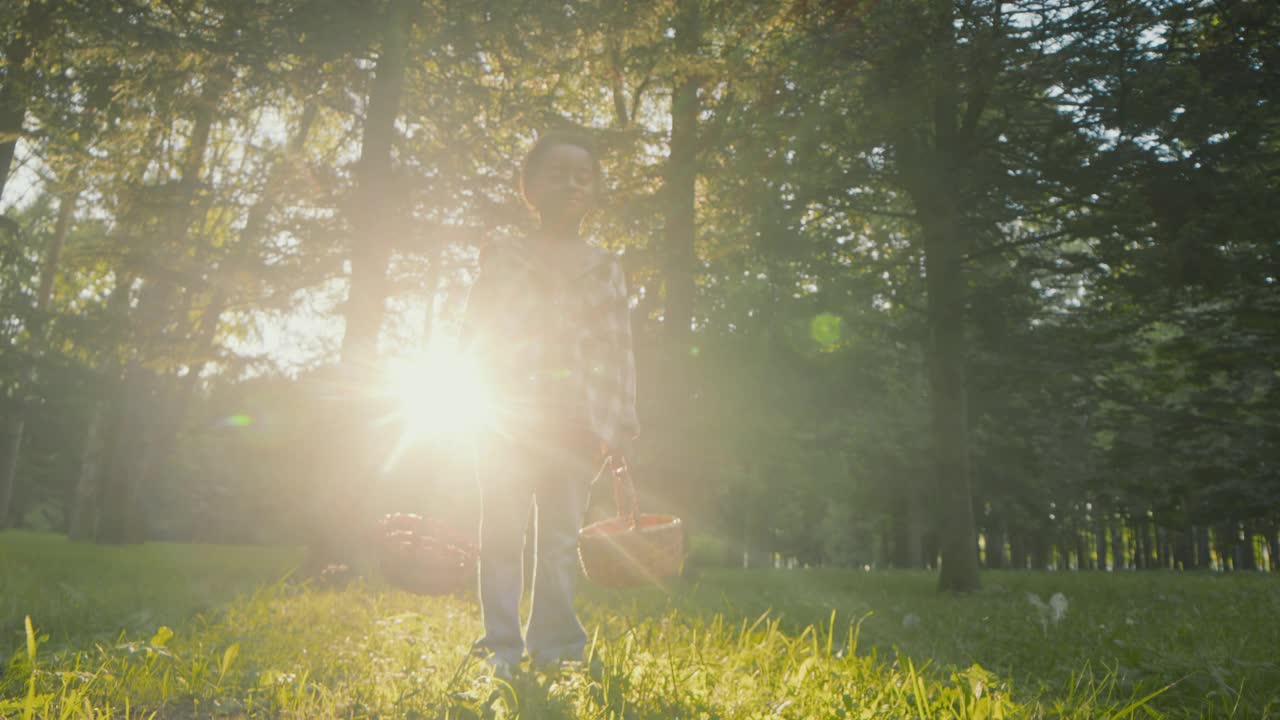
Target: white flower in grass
pixel 1058 604
pixel 1051 612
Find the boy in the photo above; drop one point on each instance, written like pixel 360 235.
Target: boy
pixel 549 318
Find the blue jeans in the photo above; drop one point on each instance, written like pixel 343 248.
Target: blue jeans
pixel 553 469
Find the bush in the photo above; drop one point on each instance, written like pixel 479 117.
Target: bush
pixel 708 551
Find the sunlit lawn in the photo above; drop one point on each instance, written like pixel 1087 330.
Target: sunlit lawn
pixel 732 644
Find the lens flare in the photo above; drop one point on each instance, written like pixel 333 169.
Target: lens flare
pixel 238 421
pixel 440 393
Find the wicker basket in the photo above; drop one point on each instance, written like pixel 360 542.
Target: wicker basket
pixel 424 557
pixel 631 548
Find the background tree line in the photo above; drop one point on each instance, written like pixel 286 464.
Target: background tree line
pixel 915 282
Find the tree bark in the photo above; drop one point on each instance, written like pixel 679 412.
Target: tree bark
pixel 1246 559
pixel 15 83
pixel 1081 542
pixel 934 180
pixel 908 523
pixel 82 518
pixel 341 523
pixel 48 272
pixel 1156 539
pixel 1164 541
pixel 1141 550
pixel 12 454
pixel 995 542
pixel 1223 544
pixel 1018 550
pixel 929 549
pixel 375 187
pixel 1163 545
pixel 174 412
pixel 1100 543
pixel 679 263
pixel 1184 552
pixel 1041 550
pixel 1119 548
pixel 1203 552
pixel 122 518
pixel 959 571
pixel 679 188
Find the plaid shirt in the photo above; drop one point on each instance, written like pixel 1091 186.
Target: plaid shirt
pixel 565 340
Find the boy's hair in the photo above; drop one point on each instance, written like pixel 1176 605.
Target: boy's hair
pixel 543 145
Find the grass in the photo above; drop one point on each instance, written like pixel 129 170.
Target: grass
pixel 180 631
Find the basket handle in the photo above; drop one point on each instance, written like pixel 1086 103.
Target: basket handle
pixel 624 490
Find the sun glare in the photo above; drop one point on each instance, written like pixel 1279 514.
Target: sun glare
pixel 440 392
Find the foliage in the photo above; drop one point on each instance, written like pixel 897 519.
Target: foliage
pixel 1106 170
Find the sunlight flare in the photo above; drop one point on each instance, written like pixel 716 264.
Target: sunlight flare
pixel 440 392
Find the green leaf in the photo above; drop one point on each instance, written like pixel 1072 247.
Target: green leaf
pixel 31 642
pixel 228 657
pixel 162 636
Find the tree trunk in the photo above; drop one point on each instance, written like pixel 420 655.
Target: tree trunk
pixel 13 111
pixel 371 221
pixel 32 27
pixel 1140 542
pixel 122 518
pixel 1119 547
pixel 48 272
pixel 959 572
pixel 678 264
pixel 1156 537
pixel 1083 560
pixel 1150 545
pixel 679 188
pixel 929 551
pixel 1222 544
pixel 1184 553
pixel 1200 544
pixel 1166 540
pixel 174 411
pixel 83 516
pixel 908 524
pixel 1041 550
pixel 345 498
pixel 1100 543
pixel 1246 559
pixel 932 178
pixel 995 542
pixel 1018 550
pixel 12 453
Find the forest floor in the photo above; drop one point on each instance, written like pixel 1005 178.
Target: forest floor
pixel 179 631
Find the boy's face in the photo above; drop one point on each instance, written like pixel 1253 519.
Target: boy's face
pixel 564 186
